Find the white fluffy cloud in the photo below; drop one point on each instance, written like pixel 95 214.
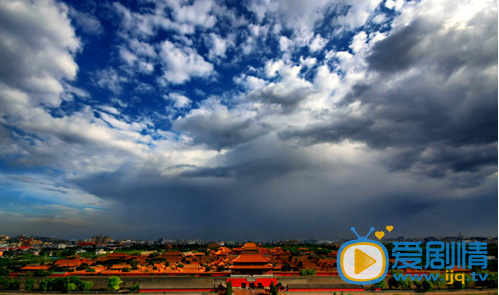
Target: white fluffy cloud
pixel 179 100
pixel 317 43
pixel 218 45
pixel 111 79
pixel 182 63
pixel 272 67
pixel 301 14
pixel 86 22
pixel 199 13
pixel 186 18
pixel 358 12
pixel 37 44
pixel 43 45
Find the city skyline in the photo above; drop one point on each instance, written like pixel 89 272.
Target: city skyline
pixel 186 241
pixel 248 120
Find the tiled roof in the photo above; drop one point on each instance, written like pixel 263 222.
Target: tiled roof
pixel 120 266
pixel 35 267
pixel 250 246
pixel 172 253
pixel 265 266
pixel 251 258
pixel 68 262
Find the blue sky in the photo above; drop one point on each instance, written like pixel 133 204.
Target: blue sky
pixel 248 119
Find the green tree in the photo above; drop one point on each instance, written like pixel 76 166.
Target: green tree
pixel 393 283
pixel 404 284
pixel 42 273
pixel 29 285
pixel 13 284
pixel 134 288
pixel 45 284
pixel 459 285
pixel 439 284
pixel 70 287
pixel 229 290
pixel 308 272
pixel 134 263
pixel 4 272
pixel 490 280
pixel 114 283
pixel 381 284
pixel 273 289
pixel 286 267
pixel 418 284
pixel 7 283
pixel 426 286
pixel 86 285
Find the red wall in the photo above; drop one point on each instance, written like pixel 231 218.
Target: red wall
pixel 237 282
pixel 326 290
pixel 175 290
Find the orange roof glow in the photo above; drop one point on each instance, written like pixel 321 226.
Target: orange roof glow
pixel 251 258
pixel 250 246
pixel 266 266
pixel 35 267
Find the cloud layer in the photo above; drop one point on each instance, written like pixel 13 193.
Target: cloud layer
pixel 257 120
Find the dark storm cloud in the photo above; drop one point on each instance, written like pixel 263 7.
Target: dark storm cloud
pixel 433 103
pixel 217 128
pixel 179 207
pixel 218 134
pixel 295 204
pixel 424 43
pixel 415 214
pixel 344 128
pixel 259 161
pixel 288 94
pixel 236 200
pixel 395 53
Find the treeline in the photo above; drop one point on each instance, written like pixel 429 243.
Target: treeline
pixel 64 284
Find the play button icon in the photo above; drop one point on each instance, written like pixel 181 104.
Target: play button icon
pixel 362 261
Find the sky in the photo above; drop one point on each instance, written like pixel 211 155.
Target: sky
pixel 248 120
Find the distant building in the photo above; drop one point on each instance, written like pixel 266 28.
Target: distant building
pixel 30 242
pixel 430 239
pixel 172 256
pixel 101 239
